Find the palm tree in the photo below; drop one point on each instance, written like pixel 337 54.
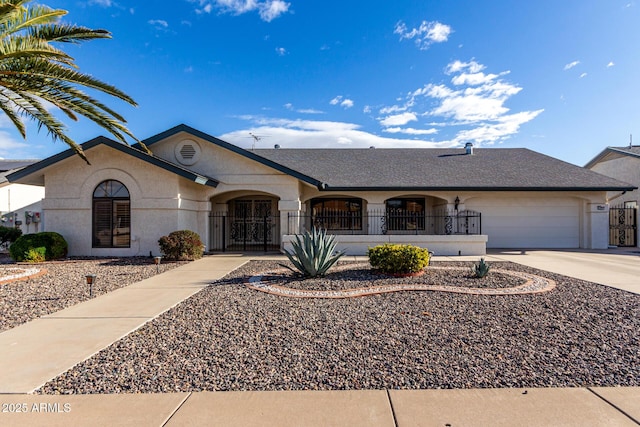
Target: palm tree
pixel 34 71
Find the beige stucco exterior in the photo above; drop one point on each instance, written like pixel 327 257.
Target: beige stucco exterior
pixel 622 167
pixel 162 201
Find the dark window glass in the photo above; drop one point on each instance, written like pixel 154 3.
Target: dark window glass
pixel 337 214
pixel 111 215
pixel 405 214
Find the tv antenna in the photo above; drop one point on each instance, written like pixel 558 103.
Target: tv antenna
pixel 256 138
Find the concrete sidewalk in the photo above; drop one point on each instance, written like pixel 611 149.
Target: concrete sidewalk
pixel 582 407
pixel 618 268
pixel 38 351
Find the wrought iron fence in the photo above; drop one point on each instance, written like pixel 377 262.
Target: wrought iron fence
pixel 623 227
pixel 244 232
pixel 389 221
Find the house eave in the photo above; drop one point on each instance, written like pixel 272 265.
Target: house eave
pixel 461 188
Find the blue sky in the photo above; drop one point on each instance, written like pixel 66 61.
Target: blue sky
pixel 558 77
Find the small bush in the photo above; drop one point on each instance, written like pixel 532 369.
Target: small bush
pixel 398 259
pixel 182 245
pixel 52 243
pixel 35 255
pixel 314 253
pixel 480 269
pixel 9 234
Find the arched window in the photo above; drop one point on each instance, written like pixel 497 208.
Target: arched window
pixel 111 215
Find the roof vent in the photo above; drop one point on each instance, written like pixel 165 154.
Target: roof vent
pixel 187 152
pixel 277 146
pixel 468 148
pixel 372 147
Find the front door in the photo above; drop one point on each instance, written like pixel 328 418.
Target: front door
pixel 250 225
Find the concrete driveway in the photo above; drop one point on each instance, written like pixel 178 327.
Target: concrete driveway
pixel 618 268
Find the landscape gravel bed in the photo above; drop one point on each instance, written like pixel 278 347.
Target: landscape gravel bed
pixel 64 284
pixel 230 337
pixel 357 275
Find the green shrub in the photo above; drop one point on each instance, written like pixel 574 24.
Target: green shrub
pixel 9 234
pixel 52 243
pixel 182 245
pixel 398 259
pixel 481 269
pixel 314 253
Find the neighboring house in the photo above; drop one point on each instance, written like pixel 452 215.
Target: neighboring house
pixel 19 204
pixel 454 201
pixel 621 163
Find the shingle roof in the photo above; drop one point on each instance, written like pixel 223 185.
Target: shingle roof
pixel 440 169
pixel 9 166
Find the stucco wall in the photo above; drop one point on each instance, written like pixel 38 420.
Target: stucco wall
pixel 16 196
pixel 159 203
pixel 624 168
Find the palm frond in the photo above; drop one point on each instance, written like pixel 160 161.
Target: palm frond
pixel 33 70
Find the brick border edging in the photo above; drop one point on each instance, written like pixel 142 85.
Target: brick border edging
pixel 534 285
pixel 39 272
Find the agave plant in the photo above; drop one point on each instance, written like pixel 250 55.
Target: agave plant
pixel 314 253
pixel 481 269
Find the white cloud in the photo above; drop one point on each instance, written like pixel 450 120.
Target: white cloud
pixel 103 3
pixel 428 33
pixel 343 102
pixel 318 134
pixel 281 51
pixel 12 148
pixel 458 66
pixel 188 69
pixel 472 108
pixel 610 64
pixel 398 119
pixel 158 23
pixel 583 75
pixel 347 103
pixel 267 9
pixel 411 131
pixel 273 9
pixel 570 65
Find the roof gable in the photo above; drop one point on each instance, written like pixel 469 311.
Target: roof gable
pixel 628 151
pixel 32 172
pixel 149 142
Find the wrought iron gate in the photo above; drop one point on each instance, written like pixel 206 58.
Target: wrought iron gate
pixel 249 226
pixel 623 227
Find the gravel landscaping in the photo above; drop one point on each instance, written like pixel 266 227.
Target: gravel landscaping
pixel 63 283
pixel 230 337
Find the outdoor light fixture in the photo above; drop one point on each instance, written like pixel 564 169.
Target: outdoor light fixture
pixel 457 202
pixel 91 279
pixel 157 259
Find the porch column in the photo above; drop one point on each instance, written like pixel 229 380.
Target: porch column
pixel 374 217
pixel 290 225
pixel 598 231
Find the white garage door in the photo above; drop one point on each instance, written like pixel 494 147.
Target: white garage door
pixel 529 223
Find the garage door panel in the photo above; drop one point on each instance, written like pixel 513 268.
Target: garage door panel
pixel 529 223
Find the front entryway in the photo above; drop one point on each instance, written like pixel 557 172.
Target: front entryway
pixel 623 227
pixel 250 224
